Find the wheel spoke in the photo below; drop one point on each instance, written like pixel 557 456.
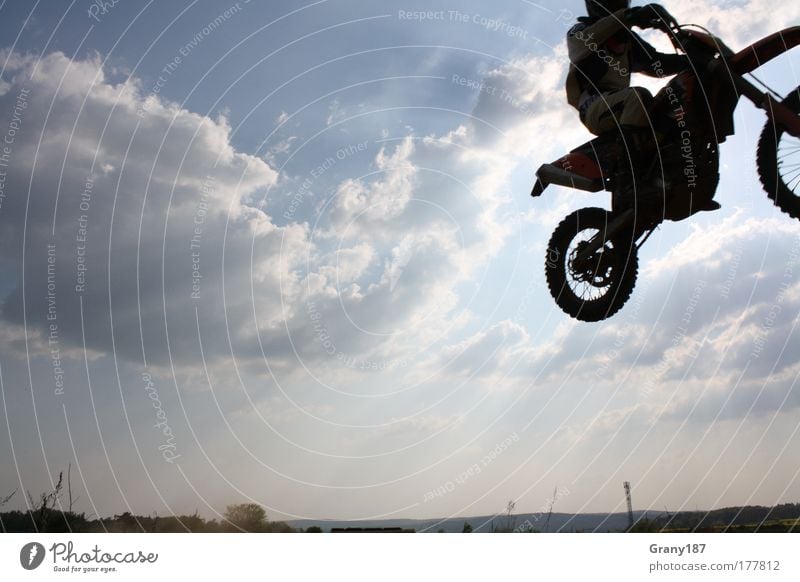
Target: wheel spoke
pixel 594 282
pixel 791 175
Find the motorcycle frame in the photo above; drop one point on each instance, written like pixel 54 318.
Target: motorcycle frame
pixel 732 66
pixel 751 58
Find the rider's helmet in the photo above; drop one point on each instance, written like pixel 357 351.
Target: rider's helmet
pixel 601 8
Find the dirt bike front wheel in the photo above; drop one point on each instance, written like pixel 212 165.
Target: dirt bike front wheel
pixel 779 162
pixel 596 287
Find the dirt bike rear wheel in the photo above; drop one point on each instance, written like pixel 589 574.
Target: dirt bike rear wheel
pixel 779 162
pixel 597 289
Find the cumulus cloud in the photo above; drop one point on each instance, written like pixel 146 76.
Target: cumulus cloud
pixel 159 246
pixel 737 23
pixel 710 329
pixel 138 204
pixel 487 351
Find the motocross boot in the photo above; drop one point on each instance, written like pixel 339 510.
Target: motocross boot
pixel 635 152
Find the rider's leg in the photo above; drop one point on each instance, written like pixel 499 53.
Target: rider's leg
pixel 635 156
pixel 626 112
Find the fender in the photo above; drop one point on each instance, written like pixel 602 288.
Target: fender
pixel 575 170
pixel 749 59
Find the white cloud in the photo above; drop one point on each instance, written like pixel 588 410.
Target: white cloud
pixel 128 160
pixel 737 23
pixel 384 258
pixel 486 352
pixel 720 307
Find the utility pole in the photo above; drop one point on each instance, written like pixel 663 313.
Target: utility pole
pixel 550 513
pixel 510 519
pixel 627 486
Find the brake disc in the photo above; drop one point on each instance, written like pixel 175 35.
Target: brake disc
pixel 597 269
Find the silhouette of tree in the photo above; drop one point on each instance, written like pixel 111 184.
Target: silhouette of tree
pixel 126 521
pixel 467 528
pixel 314 529
pixel 645 525
pixel 47 501
pixel 249 517
pixel 4 500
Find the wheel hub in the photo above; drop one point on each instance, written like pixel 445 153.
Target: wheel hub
pixel 596 270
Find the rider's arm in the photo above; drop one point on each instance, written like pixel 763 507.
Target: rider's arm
pixel 583 39
pixel 647 60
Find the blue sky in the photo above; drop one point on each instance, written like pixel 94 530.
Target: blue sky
pixel 314 276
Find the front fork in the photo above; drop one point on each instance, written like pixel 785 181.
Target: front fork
pixel 622 222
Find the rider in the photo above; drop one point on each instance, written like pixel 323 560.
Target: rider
pixel 603 52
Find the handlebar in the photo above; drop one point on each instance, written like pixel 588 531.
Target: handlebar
pixel 662 19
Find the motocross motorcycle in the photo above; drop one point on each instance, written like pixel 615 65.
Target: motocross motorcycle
pixel 592 258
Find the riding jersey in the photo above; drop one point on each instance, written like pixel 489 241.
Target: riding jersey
pixel 603 52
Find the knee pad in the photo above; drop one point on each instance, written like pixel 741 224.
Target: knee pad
pixel 639 96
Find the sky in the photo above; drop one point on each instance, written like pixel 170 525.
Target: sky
pixel 284 253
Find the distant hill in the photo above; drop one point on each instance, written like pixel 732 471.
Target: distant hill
pixel 559 522
pixel 781 518
pixel 251 517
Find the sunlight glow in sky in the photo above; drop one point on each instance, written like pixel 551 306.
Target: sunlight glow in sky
pixel 284 253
